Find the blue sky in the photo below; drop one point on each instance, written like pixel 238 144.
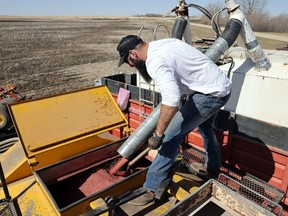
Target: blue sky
pixel 109 7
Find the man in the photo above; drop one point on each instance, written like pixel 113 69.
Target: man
pixel 178 69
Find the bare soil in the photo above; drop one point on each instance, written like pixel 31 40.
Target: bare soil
pixel 46 56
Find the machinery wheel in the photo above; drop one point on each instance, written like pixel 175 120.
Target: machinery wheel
pixel 6 101
pixel 5 119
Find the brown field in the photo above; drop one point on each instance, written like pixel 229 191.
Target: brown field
pixel 43 56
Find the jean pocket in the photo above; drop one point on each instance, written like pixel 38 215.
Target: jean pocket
pixel 207 105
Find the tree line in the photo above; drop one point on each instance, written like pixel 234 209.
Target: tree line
pixel 257 15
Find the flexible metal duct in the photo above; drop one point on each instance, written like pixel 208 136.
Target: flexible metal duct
pixel 255 51
pixel 140 135
pixel 179 28
pixel 224 41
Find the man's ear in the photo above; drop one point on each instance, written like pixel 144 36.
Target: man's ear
pixel 133 53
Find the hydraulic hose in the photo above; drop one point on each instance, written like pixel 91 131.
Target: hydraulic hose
pixel 215 27
pixel 10 140
pixel 6 144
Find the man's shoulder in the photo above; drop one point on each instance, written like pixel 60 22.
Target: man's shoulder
pixel 162 45
pixel 165 40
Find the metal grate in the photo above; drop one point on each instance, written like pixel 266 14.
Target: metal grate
pixel 260 187
pixel 250 194
pixel 5 209
pixel 192 154
pixel 254 183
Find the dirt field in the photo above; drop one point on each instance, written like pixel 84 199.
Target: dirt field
pixel 49 56
pixel 46 56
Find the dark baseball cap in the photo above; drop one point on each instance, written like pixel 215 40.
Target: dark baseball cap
pixel 125 45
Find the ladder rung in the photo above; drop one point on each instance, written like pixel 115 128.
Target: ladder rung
pixel 147 101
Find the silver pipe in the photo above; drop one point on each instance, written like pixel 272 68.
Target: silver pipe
pixel 140 135
pixel 218 48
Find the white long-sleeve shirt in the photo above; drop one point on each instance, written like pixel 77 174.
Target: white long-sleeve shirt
pixel 178 69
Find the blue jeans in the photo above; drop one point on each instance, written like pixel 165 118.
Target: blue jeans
pixel 198 111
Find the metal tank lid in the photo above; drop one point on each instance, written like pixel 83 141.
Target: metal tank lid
pixel 50 121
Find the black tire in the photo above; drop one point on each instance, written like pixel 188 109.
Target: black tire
pixel 6 101
pixel 5 119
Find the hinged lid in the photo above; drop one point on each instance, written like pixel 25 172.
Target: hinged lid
pixel 50 121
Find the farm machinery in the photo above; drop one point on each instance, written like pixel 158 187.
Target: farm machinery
pixel 8 95
pixel 69 143
pixel 8 136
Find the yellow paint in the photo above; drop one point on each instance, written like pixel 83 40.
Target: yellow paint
pixel 33 202
pixel 84 205
pixel 14 163
pixel 19 167
pixel 1 118
pixel 45 126
pixel 163 208
pixel 99 203
pixel 29 197
pixel 55 128
pixel 179 192
pixel 72 148
pixel 47 122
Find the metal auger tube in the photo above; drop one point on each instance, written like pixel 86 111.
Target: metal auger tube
pixel 140 135
pixel 224 41
pixel 254 49
pixel 238 24
pixel 179 28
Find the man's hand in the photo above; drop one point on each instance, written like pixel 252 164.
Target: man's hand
pixel 155 141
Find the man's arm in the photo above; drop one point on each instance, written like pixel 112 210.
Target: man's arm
pixel 166 115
